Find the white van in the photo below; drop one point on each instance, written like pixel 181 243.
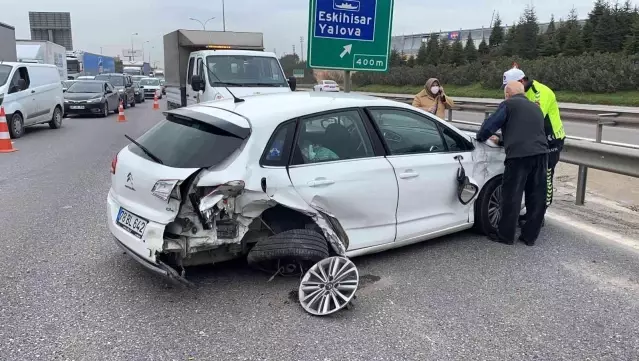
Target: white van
pixel 30 94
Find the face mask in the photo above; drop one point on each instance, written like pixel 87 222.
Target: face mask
pixel 434 89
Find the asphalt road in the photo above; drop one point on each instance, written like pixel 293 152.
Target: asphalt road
pixel 68 293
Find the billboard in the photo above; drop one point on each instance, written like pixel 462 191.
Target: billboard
pixel 51 26
pixel 127 53
pixel 453 35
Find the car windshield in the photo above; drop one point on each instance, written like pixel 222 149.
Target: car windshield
pixel 149 81
pixel 86 87
pixel 244 70
pixel 186 143
pixel 329 82
pixel 115 80
pixel 5 70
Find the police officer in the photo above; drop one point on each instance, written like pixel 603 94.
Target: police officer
pixel 554 128
pixel 522 126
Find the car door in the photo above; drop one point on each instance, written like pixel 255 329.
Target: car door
pixel 191 95
pixel 426 164
pixel 337 164
pixel 20 92
pixel 112 96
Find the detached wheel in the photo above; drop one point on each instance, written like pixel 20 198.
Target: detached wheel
pixel 487 211
pixel 289 252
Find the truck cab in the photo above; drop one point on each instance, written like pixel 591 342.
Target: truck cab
pixel 209 65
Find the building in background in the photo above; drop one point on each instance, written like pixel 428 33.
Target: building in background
pixel 53 27
pixel 409 44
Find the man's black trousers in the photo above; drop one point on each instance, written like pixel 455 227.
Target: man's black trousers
pixel 529 175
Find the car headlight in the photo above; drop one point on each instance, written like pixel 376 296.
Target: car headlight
pixel 94 100
pixel 66 101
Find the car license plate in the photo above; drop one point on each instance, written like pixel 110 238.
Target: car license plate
pixel 132 223
pixel 77 107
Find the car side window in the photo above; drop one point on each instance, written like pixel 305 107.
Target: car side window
pixel 189 72
pixel 332 137
pixel 454 142
pixel 406 132
pixel 278 149
pixel 20 80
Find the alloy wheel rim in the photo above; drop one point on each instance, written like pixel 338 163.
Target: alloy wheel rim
pixel 328 286
pixel 494 213
pixel 17 124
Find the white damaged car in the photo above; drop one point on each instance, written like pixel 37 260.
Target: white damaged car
pixel 290 179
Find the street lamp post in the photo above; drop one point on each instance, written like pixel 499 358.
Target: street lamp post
pixel 223 17
pixel 202 23
pixel 143 49
pixel 132 52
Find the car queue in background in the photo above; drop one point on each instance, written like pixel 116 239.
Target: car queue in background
pixel 152 87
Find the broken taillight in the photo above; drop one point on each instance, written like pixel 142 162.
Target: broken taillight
pixel 166 188
pixel 114 164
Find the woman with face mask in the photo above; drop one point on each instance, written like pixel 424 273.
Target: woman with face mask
pixel 433 99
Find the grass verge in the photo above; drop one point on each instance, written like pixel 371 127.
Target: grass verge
pixel 626 98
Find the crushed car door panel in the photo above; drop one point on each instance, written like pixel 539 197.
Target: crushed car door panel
pixel 426 172
pixel 334 168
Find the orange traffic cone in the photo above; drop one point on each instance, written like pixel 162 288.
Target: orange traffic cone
pixel 5 140
pixel 156 105
pixel 121 117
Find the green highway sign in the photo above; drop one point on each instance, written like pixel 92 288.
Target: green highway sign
pixel 298 73
pixel 350 34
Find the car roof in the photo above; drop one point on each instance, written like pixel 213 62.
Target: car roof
pixel 269 110
pixel 112 74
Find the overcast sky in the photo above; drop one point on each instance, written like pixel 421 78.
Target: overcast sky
pixel 282 21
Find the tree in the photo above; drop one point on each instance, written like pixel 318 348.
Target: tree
pixel 432 50
pixel 548 45
pixel 470 51
pixel 395 59
pixel 411 61
pixel 457 55
pixel 574 44
pixel 483 49
pixel 631 45
pixel 445 56
pixel 118 65
pixel 527 34
pixel 497 34
pixel 600 8
pixel 422 55
pixel 509 47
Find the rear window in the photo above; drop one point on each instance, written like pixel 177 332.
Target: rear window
pixel 186 143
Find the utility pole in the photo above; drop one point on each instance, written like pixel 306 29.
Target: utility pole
pixel 131 58
pixel 294 53
pixel 223 17
pixel 302 48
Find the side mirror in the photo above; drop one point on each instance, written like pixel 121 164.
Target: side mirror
pixel 197 83
pixel 64 90
pixel 141 86
pixel 109 91
pixel 467 188
pixel 292 83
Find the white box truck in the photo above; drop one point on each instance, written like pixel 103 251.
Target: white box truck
pixel 7 43
pixel 203 65
pixel 43 52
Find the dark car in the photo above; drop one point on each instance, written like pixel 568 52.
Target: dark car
pixel 139 92
pixel 123 85
pixel 91 97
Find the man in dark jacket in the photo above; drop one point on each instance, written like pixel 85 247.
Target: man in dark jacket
pixel 522 126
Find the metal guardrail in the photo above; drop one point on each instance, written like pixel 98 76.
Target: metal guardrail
pixel 611 157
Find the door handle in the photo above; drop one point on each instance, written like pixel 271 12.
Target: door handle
pixel 318 182
pixel 408 174
pixel 33 91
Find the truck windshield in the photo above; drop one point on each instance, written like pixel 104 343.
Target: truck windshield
pixel 245 70
pixel 73 66
pixel 5 70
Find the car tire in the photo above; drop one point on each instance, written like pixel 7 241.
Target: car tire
pixel 105 110
pixel 489 198
pixel 56 119
pixel 16 126
pixel 296 247
pixel 133 102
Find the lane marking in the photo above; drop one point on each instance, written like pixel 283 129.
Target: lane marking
pixel 605 234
